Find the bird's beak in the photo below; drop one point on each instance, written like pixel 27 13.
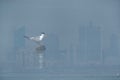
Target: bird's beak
pixel 45 35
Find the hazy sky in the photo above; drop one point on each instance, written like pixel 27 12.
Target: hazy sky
pixel 61 17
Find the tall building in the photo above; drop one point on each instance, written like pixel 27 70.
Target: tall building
pixel 19 45
pixel 52 54
pixel 114 47
pixel 89 44
pixel 19 38
pixel 72 55
pixel 112 55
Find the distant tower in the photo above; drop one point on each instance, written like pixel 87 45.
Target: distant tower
pixel 18 38
pixel 114 47
pixel 89 44
pixel 53 56
pixel 112 56
pixel 19 45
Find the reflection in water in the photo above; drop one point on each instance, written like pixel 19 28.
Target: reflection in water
pixel 41 62
pixel 40 51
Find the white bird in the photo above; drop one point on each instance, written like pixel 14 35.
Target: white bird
pixel 36 39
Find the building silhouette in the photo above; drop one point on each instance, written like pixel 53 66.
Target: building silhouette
pixel 19 37
pixel 19 46
pixel 52 54
pixel 112 55
pixel 89 44
pixel 114 46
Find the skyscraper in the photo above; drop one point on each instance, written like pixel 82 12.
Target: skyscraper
pixel 52 54
pixel 19 45
pixel 19 38
pixel 114 46
pixel 89 44
pixel 112 55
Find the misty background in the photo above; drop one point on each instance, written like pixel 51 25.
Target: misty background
pixel 83 36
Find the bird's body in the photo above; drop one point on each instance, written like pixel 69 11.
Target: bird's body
pixel 36 39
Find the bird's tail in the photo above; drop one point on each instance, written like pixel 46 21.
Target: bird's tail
pixel 26 37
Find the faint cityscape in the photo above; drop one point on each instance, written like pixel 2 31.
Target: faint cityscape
pixel 88 52
pixel 82 42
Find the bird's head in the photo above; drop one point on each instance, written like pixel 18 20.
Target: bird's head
pixel 42 33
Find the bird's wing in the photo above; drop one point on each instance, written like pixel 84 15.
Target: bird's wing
pixel 30 38
pixel 41 37
pixel 36 39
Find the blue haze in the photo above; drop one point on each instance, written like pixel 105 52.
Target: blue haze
pixel 83 39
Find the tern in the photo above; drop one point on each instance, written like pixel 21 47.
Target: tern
pixel 36 39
